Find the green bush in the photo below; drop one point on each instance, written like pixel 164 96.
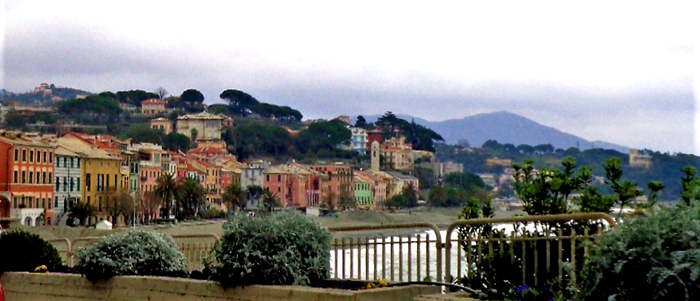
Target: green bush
pixel 143 253
pixel 653 257
pixel 282 249
pixel 22 251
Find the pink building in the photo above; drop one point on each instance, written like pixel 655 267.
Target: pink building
pixel 294 185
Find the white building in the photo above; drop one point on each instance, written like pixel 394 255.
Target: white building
pixel 67 184
pixel 207 126
pixel 358 141
pixel 252 174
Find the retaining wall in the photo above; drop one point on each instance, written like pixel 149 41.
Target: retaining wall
pixel 31 286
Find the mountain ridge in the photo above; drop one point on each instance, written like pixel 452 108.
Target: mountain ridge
pixel 505 127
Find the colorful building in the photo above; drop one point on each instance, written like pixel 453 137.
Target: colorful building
pixel 26 180
pixel 153 106
pixel 364 187
pixel 337 184
pixel 69 173
pixel 203 126
pixel 101 173
pixel 294 185
pixel 162 124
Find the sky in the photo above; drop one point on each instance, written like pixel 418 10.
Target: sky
pixel 621 72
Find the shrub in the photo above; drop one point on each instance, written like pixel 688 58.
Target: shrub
pixel 143 253
pixel 283 249
pixel 23 251
pixel 654 257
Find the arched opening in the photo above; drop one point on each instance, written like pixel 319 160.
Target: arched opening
pixel 28 221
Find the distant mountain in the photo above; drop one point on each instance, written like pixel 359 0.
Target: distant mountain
pixel 505 127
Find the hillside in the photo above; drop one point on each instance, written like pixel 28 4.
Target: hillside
pixel 43 96
pixel 505 127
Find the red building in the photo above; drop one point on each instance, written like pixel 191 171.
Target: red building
pixel 26 180
pixel 374 135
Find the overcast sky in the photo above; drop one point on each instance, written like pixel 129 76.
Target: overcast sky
pixel 618 72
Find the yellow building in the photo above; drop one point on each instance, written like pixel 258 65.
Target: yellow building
pixel 101 173
pixel 162 124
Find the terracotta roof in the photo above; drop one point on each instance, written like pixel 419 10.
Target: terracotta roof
pixel 202 115
pixel 207 151
pixel 153 101
pixel 78 145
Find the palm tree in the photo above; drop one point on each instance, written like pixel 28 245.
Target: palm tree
pixel 82 211
pixel 269 201
pixel 166 190
pixel 234 197
pixel 192 197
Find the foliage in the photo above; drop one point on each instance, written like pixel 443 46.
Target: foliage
pixel 457 189
pixel 652 257
pixel 82 211
pixel 323 135
pixel 211 214
pixel 143 133
pixel 243 104
pixel 145 253
pixel 278 249
pixel 408 198
pixel 256 138
pixel 419 136
pixel 234 197
pixel 167 190
pixel 191 197
pixel 93 109
pixel 23 251
pixel 118 204
pixel 133 97
pixel 269 201
pixel 691 185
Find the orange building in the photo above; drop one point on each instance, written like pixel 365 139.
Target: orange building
pixel 26 180
pixel 153 106
pixel 294 185
pixel 338 182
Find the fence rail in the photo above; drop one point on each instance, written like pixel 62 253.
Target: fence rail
pixel 423 250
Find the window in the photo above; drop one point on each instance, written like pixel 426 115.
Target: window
pixel 37 203
pixel 78 162
pixel 16 155
pixel 87 182
pixel 279 178
pixel 88 200
pixel 268 178
pixel 50 177
pixel 56 203
pixel 71 184
pixel 58 183
pixel 29 201
pixel 44 157
pixel 77 185
pixel 15 178
pixel 58 161
pixel 43 202
pixel 31 177
pixel 24 155
pixel 43 178
pixel 65 184
pixel 38 157
pixel 24 177
pixel 31 156
pixel 71 163
pixel 51 157
pixel 14 203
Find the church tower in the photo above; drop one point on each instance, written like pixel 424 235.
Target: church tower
pixel 374 149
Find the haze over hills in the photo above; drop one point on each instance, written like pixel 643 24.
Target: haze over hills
pixel 505 127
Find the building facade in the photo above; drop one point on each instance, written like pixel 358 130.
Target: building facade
pixel 153 106
pixel 204 126
pixel 26 180
pixel 67 183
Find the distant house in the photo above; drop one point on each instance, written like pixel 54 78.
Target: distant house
pixel 153 106
pixel 639 159
pixel 162 124
pixel 202 125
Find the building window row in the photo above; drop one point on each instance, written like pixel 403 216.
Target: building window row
pixel 31 177
pixel 34 156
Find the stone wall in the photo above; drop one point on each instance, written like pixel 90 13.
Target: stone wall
pixel 27 286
